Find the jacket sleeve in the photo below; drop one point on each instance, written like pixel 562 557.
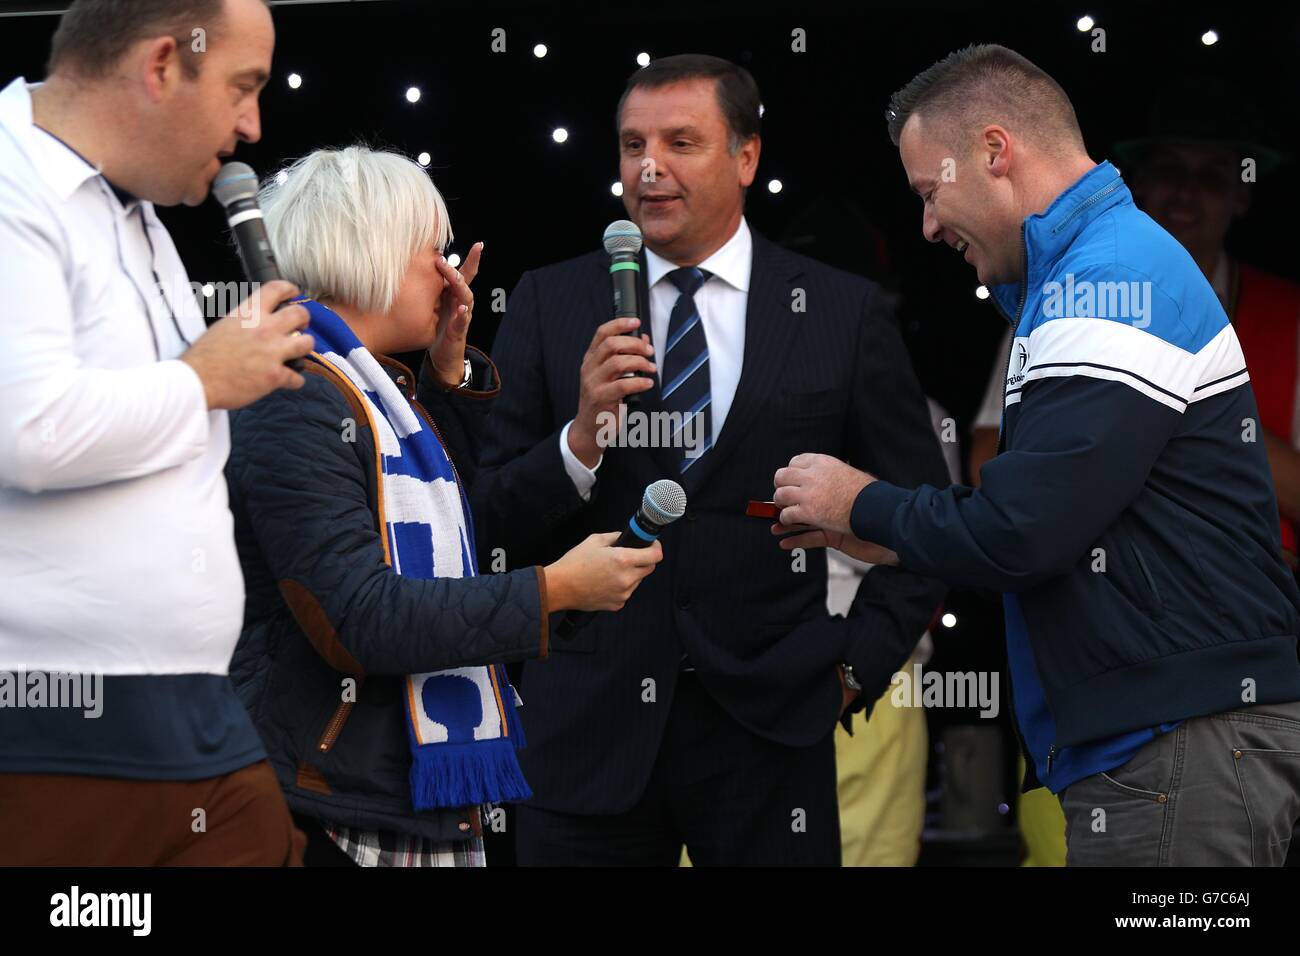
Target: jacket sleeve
pixel 301 483
pixel 890 434
pixel 523 494
pixel 1097 407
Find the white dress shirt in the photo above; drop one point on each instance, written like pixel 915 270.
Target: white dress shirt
pixel 722 302
pixel 117 552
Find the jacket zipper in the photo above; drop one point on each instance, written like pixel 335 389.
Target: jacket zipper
pixel 1015 324
pixel 1091 200
pixel 333 728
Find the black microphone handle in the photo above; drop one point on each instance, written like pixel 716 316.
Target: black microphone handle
pixel 258 259
pixel 627 304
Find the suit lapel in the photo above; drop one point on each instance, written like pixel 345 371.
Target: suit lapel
pixel 769 331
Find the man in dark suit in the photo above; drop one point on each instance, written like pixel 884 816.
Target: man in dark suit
pixel 702 712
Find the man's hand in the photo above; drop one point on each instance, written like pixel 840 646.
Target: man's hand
pixel 614 351
pixel 241 357
pixel 816 538
pixel 455 312
pixel 818 490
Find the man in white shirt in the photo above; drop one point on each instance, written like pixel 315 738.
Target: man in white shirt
pixel 121 738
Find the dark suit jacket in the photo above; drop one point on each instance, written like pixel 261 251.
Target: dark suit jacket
pixel 831 378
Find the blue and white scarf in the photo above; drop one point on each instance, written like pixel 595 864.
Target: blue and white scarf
pixel 462 723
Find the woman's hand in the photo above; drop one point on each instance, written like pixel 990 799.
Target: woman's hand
pixel 455 312
pixel 596 576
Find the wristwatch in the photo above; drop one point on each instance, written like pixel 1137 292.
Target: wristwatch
pixel 850 681
pixel 469 374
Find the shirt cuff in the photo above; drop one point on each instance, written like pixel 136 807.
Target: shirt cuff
pixel 583 478
pixel 872 516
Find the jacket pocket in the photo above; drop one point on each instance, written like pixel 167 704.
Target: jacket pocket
pixel 1153 602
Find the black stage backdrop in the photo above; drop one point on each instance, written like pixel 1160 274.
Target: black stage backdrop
pixel 486 119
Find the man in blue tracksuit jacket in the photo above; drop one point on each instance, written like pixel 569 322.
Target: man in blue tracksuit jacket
pixel 1129 518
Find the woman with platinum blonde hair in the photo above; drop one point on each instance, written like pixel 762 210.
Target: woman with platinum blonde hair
pixel 372 652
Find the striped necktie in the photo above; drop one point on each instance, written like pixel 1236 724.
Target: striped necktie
pixel 685 365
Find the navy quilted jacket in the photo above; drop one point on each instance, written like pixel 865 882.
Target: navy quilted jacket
pixel 329 629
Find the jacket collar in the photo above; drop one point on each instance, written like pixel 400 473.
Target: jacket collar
pixel 1048 234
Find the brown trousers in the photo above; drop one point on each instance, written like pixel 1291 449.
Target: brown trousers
pixel 239 819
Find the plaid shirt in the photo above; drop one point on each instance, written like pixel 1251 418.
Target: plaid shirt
pixel 386 848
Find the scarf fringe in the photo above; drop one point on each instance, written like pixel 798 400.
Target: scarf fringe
pixel 458 775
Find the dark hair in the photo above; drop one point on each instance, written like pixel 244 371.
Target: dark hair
pixel 983 84
pixel 737 93
pixel 93 35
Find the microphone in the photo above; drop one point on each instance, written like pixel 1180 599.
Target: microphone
pixel 236 189
pixel 663 503
pixel 622 240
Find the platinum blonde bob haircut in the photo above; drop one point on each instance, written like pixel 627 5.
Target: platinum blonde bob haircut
pixel 345 223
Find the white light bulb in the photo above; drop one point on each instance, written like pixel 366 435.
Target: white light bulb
pixel 453 260
pixel 982 292
pixel 1209 38
pixel 616 189
pixel 295 81
pixel 1085 23
pixel 559 134
pixel 949 620
pixel 775 185
pixel 539 51
pixel 424 159
pixel 413 94
pixel 643 59
pixel 209 290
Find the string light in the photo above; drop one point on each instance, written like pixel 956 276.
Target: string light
pixel 1085 23
pixel 295 81
pixel 1209 38
pixel 643 59
pixel 424 159
pixel 559 134
pixel 539 51
pixel 413 94
pixel 616 189
pixel 775 186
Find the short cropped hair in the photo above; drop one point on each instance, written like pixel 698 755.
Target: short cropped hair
pixel 345 223
pixel 986 84
pixel 737 93
pixel 93 35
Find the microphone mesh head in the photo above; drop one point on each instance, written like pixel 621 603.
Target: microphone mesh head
pixel 234 181
pixel 622 236
pixel 665 501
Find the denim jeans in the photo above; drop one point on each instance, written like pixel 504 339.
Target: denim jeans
pixel 1222 790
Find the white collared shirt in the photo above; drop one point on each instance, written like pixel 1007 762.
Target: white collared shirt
pixel 117 551
pixel 722 302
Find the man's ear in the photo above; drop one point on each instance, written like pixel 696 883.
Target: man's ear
pixel 748 154
pixel 160 66
pixel 997 150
